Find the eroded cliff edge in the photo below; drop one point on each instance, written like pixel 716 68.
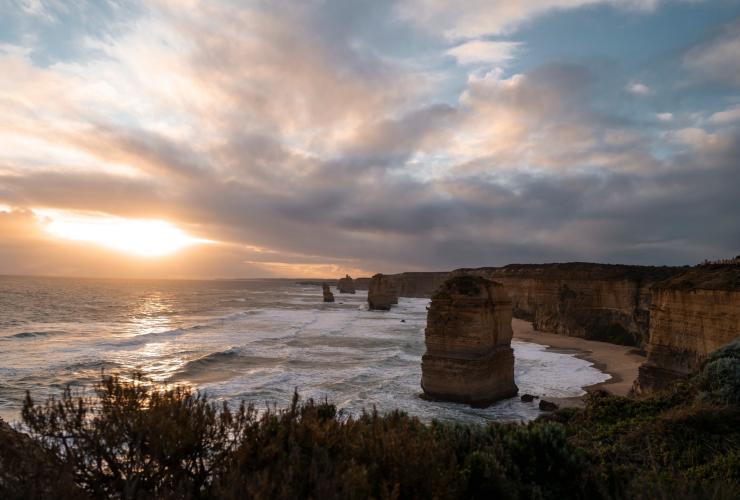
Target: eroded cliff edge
pixel 691 315
pixel 594 301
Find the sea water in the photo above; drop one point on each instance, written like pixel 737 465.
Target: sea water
pixel 252 340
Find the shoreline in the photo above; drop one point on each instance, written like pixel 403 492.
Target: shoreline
pixel 620 362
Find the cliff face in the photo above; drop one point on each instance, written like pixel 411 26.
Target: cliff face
pixel 382 293
pixel 362 283
pixel 691 315
pixel 468 339
pixel 346 285
pixel 593 301
pixel 418 284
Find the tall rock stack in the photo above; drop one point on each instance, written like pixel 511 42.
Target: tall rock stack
pixel 468 338
pixel 346 284
pixel 382 293
pixel 328 296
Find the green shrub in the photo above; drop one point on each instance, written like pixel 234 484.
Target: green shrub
pixel 134 440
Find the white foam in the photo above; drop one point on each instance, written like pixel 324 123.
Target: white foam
pixel 356 358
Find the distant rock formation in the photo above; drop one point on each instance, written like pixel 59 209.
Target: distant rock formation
pixel 691 315
pixel 468 339
pixel 328 296
pixel 346 285
pixel 604 302
pixel 362 283
pixel 382 293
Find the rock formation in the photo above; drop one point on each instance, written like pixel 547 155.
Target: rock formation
pixel 606 302
pixel 382 293
pixel 468 339
pixel 328 296
pixel 691 315
pixel 593 301
pixel 547 405
pixel 362 283
pixel 346 285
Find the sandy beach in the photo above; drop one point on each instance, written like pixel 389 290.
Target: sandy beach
pixel 621 362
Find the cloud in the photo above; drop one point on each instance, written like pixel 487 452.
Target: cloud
pixel 664 117
pixel 493 53
pixel 638 89
pixel 725 117
pixel 303 145
pixel 494 17
pixel 718 58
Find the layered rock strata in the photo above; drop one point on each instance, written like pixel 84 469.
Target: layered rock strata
pixel 691 315
pixel 346 284
pixel 328 296
pixel 382 293
pixel 468 355
pixel 594 301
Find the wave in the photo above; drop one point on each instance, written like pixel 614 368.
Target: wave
pixel 175 332
pixel 221 365
pixel 30 335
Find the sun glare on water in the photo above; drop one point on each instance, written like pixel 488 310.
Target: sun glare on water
pixel 142 237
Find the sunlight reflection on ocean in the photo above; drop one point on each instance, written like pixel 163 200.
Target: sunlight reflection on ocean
pixel 254 340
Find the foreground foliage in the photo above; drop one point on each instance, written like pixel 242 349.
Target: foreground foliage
pixel 134 440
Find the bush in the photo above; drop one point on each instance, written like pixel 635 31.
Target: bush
pixel 720 376
pixel 134 440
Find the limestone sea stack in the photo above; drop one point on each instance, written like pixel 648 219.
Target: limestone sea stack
pixel 346 284
pixel 382 293
pixel 468 339
pixel 328 296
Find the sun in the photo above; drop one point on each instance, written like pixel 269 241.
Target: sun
pixel 141 237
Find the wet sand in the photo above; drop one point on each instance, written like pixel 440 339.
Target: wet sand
pixel 621 362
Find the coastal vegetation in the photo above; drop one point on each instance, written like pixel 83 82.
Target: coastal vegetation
pixel 133 439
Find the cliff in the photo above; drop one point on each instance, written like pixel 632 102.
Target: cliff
pixel 382 293
pixel 346 285
pixel 362 283
pixel 468 355
pixel 691 315
pixel 594 301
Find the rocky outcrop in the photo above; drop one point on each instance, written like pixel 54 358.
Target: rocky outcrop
pixel 468 355
pixel 346 285
pixel 382 293
pixel 691 315
pixel 418 284
pixel 328 296
pixel 362 283
pixel 593 301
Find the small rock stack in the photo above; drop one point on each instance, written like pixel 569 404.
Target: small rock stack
pixel 346 284
pixel 468 338
pixel 381 293
pixel 328 296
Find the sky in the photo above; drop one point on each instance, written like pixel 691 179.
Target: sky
pixel 314 138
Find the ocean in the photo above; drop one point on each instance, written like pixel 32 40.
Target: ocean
pixel 252 340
